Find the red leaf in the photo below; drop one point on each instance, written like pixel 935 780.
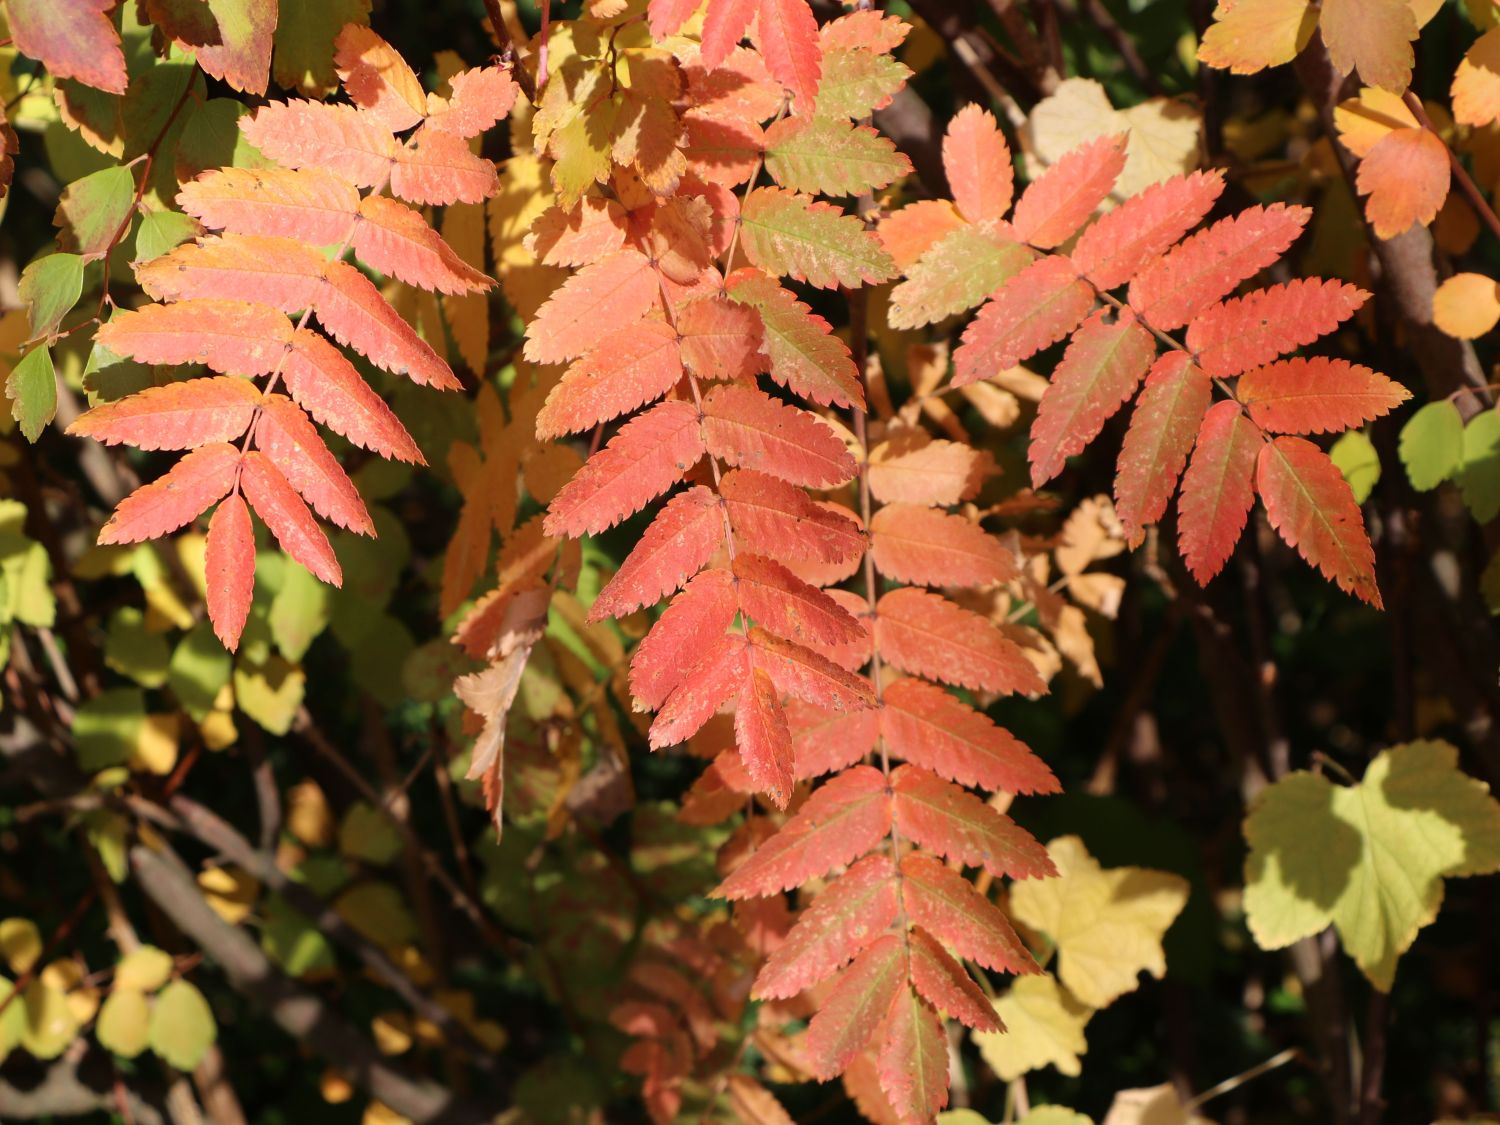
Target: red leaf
pixel 867 29
pixel 747 428
pixel 706 687
pixel 308 134
pixel 357 316
pixel 1052 209
pixel 1095 377
pixel 1033 310
pixel 943 983
pixel 724 151
pixel 598 299
pixel 648 456
pixel 722 340
pixel 176 498
pixel 913 1060
pixel 1311 505
pixel 848 1018
pixel 327 386
pixel 229 569
pixel 1156 445
pixel 978 164
pixel 679 542
pixel 928 727
pixel 692 624
pixel 723 28
pixel 627 369
pixel 277 503
pixel 808 675
pixel 1407 177
pixel 72 39
pixel 395 240
pixel 229 336
pixel 1173 290
pixel 927 547
pixel 1115 248
pixel 291 441
pixel 927 635
pixel 826 741
pixel 943 818
pixel 1247 331
pixel 666 16
pixel 946 904
pixel 590 229
pixel 313 205
pixel 777 519
pixel 1217 490
pixel 788 35
pixel 438 168
pixel 1316 396
pixel 175 416
pixel 782 603
pixel 854 910
pixel 761 734
pixel 840 821
pixel 478 99
pixel 239 50
pixel 281 272
pixel 377 79
pixel 805 356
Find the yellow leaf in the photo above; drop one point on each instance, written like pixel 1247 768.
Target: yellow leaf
pixel 1476 85
pixel 308 816
pixel 1467 305
pixel 1151 1105
pixel 378 1113
pixel 144 969
pixel 1365 121
pixel 524 194
pixel 1250 35
pixel 1107 925
pixel 66 976
pixel 218 730
pixel 1369 858
pixel 1372 37
pixel 230 891
pixel 155 750
pixel 468 313
pixel 1044 1026
pixel 50 1021
pixel 392 1032
pixel 335 1088
pixel 20 943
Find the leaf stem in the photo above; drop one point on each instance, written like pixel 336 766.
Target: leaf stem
pixel 1465 182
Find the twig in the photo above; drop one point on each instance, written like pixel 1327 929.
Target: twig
pixel 509 52
pixel 1465 182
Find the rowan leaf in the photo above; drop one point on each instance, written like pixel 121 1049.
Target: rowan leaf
pixel 1248 331
pixel 783 604
pixel 1208 265
pixel 1368 858
pixel 913 1058
pixel 788 37
pixel 1250 35
pixel 927 635
pixel 229 569
pixel 946 905
pixel 977 161
pixel 287 436
pixel 630 367
pixel 1107 924
pixel 958 271
pixel 1432 444
pixel 805 356
pixel 72 39
pixel 787 233
pixel 396 241
pixel 377 79
pixel 926 547
pixel 749 429
pixel 1162 428
pixel 1316 396
pixel 1311 506
pixel 646 458
pixel 781 521
pixel 1218 489
pixel 339 138
pixel 695 621
pixel 276 502
pixel 856 83
pixel 233 337
pixel 1115 249
pixel 326 385
pixel 928 727
pixel 942 982
pixel 615 291
pixel 93 210
pixel 830 156
pixel 1097 375
pixel 762 737
pixel 699 693
pixel 439 168
pixel 175 416
pixel 843 819
pixel 1044 1026
pixel 808 675
pixel 850 914
pixel 314 205
pixel 478 99
pixel 1032 311
pixel 1060 201
pixel 856 1006
pixel 176 498
pixel 49 288
pixel 1407 177
pixel 940 817
pixel 685 535
pixel 910 468
pixel 354 313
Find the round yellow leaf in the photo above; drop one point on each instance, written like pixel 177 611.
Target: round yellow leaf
pixel 335 1088
pixel 1467 305
pixel 143 970
pixel 1365 121
pixel 123 1021
pixel 50 1021
pixel 392 1032
pixel 20 943
pixel 182 1025
pixel 308 817
pixel 230 891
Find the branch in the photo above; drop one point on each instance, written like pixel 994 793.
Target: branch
pixel 65 1091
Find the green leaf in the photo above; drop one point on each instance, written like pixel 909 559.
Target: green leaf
pixel 1368 858
pixel 12 1020
pixel 787 233
pixel 270 693
pixel 1060 1115
pixel 1479 478
pixel 160 231
pixel 825 156
pixel 27 594
pixel 212 139
pixel 1432 444
pixel 305 30
pixel 294 943
pixel 32 388
pixel 199 670
pixel 367 834
pixel 134 651
pixel 856 82
pixel 109 833
pixel 122 1028
pixel 299 611
pixel 1356 458
pixel 108 727
pixel 143 969
pixel 378 911
pixel 50 287
pixel 955 274
pixel 182 1025
pixel 93 211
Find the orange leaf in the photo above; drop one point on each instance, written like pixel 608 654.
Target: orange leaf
pixel 326 385
pixel 1033 310
pixel 229 569
pixel 941 817
pixel 1160 437
pixel 848 1017
pixel 913 1058
pixel 630 367
pixel 747 428
pixel 1052 209
pixel 776 519
pixel 377 79
pixel 439 168
pixel 926 547
pixel 978 163
pixel 229 336
pixel 286 435
pixel 72 39
pixel 1248 331
pixel 600 298
pixel 276 502
pixel 340 138
pixel 1407 176
pixel 946 904
pixel 176 416
pixel 177 497
pixel 680 541
pixel 927 635
pixel 925 725
pixel 694 621
pixel 1316 396
pixel 761 734
pixel 1217 489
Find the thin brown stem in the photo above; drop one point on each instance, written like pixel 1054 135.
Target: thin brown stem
pixel 1461 175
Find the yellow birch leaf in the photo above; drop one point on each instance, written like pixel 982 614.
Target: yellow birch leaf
pixel 1044 1026
pixel 308 816
pixel 1364 121
pixel 1476 84
pixel 1372 37
pixel 20 943
pixel 144 969
pixel 1107 925
pixel 231 891
pixel 1467 305
pixel 1250 35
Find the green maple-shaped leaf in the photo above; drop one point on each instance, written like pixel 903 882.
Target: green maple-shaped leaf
pixel 1370 858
